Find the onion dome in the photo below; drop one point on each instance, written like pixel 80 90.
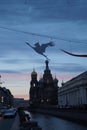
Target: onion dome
pixel 33 73
pixel 55 79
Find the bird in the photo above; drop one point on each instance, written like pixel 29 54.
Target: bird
pixel 41 48
pixel 72 54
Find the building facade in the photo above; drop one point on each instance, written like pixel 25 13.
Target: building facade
pixel 6 98
pixel 44 91
pixel 74 92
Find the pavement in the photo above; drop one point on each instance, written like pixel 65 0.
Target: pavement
pixel 15 125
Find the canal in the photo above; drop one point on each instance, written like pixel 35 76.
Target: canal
pixel 47 122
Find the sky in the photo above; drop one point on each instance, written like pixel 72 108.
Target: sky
pixel 63 22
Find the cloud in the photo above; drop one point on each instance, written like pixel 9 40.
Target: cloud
pixel 8 71
pixel 37 11
pixel 69 68
pixel 67 32
pixel 25 96
pixel 59 10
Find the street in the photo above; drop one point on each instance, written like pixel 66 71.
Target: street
pixel 47 122
pixel 6 124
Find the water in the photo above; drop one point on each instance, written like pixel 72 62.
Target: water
pixel 47 122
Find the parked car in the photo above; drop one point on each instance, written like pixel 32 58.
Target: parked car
pixel 3 110
pixel 10 113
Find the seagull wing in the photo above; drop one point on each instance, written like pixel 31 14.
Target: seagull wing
pixel 44 46
pixel 29 44
pixel 72 54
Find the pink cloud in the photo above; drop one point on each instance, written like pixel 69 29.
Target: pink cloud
pixel 65 77
pixel 26 97
pixel 19 84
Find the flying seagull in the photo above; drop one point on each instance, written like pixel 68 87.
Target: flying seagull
pixel 41 48
pixel 72 54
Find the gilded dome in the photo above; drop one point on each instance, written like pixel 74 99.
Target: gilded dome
pixel 33 73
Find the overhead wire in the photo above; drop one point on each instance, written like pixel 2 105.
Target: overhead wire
pixel 42 35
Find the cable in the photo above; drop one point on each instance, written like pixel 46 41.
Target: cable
pixel 42 35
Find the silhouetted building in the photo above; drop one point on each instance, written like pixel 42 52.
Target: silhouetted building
pixel 20 102
pixel 34 88
pixel 73 93
pixel 6 98
pixel 44 91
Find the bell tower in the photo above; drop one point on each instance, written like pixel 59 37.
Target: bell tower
pixel 33 88
pixel 34 82
pixel 47 76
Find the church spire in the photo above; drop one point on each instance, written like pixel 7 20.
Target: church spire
pixel 47 62
pixel 47 73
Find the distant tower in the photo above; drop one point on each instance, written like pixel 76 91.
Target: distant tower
pixel 33 87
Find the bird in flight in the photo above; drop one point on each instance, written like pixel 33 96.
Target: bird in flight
pixel 41 48
pixel 72 54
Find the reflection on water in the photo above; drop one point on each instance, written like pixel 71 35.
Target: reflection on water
pixel 53 123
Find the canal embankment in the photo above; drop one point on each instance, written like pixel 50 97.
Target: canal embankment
pixel 75 115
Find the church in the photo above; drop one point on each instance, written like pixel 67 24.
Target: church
pixel 44 91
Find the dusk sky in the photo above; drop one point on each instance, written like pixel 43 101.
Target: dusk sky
pixel 65 24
